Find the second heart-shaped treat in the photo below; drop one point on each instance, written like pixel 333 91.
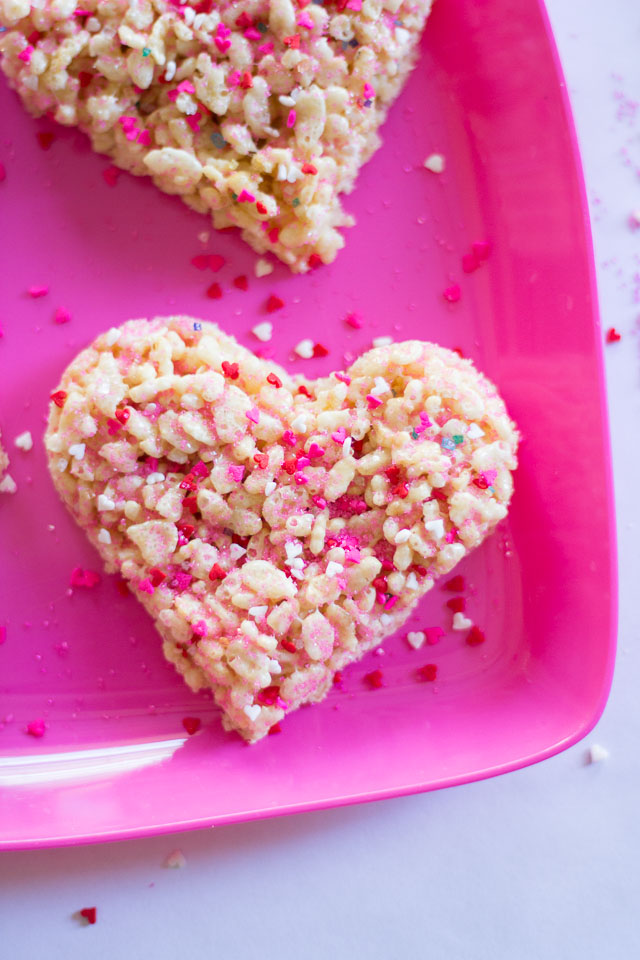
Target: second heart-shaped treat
pixel 275 528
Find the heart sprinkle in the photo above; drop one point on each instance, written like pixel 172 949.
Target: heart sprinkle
pixel 275 537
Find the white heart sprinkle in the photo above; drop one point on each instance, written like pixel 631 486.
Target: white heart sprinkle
pixel 263 268
pixel 263 331
pixel 436 527
pixel 416 639
pixel 379 387
pixel 460 622
pixel 299 424
pixel 175 860
pixel 435 162
pixel 105 503
pixel 253 711
pixel 402 536
pixel 8 484
pixel 382 341
pixel 76 450
pixel 411 582
pixel 155 478
pixel 304 349
pixel 334 568
pixel 104 536
pixel 236 551
pixel 258 612
pixel 474 432
pixel 111 336
pixel 24 441
pixel 269 487
pixel 598 754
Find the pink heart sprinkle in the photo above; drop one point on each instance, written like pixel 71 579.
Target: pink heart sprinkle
pixel 433 635
pixel 315 451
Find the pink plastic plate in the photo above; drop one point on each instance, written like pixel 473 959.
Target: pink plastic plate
pixel 115 760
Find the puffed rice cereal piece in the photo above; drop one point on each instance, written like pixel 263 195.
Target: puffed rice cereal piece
pixel 259 113
pixel 268 557
pixel 7 483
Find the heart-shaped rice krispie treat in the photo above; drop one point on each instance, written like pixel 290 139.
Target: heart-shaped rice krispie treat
pixel 275 529
pixel 258 112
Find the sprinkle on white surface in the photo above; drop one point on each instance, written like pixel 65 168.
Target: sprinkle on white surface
pixel 379 387
pixel 597 753
pixel 402 536
pixel 112 336
pixel 269 487
pixel 436 527
pixel 76 450
pixel 155 478
pixel 263 268
pixel 252 710
pixel 105 503
pixel 292 548
pixel 416 639
pixel 104 536
pixel 304 349
pixel 634 219
pixel 263 331
pixel 475 432
pixel 175 861
pixel 24 441
pixel 435 162
pixel 333 568
pixel 299 424
pixel 258 612
pixel 382 341
pixel 460 622
pixel 8 484
pixel 236 551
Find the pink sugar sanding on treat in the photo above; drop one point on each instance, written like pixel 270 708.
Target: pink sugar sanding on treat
pixel 235 472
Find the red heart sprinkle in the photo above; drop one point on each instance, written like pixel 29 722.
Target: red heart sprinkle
pixel 475 636
pixel 274 303
pixel 191 724
pixel 428 672
pixel 455 584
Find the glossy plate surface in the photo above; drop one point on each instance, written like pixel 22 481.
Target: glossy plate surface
pixel 114 761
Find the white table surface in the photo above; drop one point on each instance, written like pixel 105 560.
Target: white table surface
pixel 539 863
